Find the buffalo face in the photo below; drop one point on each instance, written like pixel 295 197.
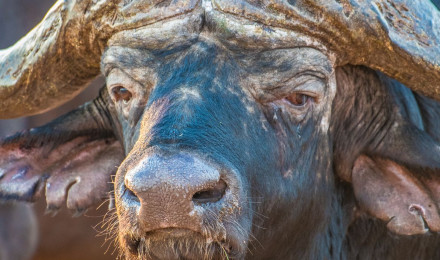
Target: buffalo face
pixel 215 141
pixel 225 139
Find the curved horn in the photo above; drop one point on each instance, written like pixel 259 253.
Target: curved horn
pixel 398 37
pixel 55 60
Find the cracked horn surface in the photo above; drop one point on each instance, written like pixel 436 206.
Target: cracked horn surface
pixel 61 55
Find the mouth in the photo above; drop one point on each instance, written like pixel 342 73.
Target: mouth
pixel 178 243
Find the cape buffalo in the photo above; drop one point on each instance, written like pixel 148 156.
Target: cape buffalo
pixel 236 129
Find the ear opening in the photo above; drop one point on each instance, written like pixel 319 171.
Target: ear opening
pixel 70 159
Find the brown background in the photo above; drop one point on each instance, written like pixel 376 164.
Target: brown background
pixel 61 237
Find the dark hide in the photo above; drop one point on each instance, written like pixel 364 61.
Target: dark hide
pixel 201 104
pixel 380 106
pixel 436 3
pixel 316 181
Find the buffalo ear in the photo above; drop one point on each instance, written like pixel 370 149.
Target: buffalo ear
pixel 386 145
pixel 391 192
pixel 71 159
pixel 399 181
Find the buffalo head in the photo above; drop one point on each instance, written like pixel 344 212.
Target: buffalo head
pixel 232 129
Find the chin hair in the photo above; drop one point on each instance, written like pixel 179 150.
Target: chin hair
pixel 174 243
pixel 179 248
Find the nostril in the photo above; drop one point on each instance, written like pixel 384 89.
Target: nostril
pixel 129 194
pixel 213 194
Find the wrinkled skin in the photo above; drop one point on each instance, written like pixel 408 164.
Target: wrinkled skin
pixel 218 102
pixel 202 104
pixel 239 150
pixel 57 59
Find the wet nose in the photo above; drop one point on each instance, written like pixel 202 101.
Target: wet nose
pixel 172 190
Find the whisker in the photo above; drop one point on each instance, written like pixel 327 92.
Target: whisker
pixel 100 205
pixel 224 252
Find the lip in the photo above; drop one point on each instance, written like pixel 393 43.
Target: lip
pixel 172 232
pixel 133 244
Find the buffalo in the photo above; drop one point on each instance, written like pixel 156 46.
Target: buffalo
pixel 236 129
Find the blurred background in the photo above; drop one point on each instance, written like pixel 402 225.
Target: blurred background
pixel 61 237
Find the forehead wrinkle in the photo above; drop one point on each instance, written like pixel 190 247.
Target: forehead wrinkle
pixel 304 58
pixel 298 56
pixel 137 64
pixel 125 57
pixel 129 75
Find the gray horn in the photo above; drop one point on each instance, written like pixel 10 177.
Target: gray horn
pixel 61 55
pixel 398 37
pixel 56 60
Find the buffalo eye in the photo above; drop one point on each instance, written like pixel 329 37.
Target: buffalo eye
pixel 121 93
pixel 299 99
